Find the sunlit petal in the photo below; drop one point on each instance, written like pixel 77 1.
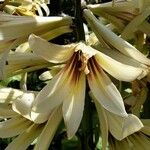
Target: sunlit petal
pixel 113 40
pixel 23 104
pixel 118 70
pixel 51 52
pixel 26 138
pixel 51 95
pixel 6 111
pixel 13 127
pixel 121 127
pixel 104 90
pixel 73 106
pixel 8 95
pixel 103 122
pixel 49 130
pixel 133 25
pixel 24 25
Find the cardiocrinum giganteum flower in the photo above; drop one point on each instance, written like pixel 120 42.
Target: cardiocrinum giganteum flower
pixel 19 124
pixel 67 88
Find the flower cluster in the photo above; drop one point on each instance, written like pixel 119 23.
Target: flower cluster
pixel 93 67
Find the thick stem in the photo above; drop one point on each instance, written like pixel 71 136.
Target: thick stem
pixel 86 135
pixel 78 21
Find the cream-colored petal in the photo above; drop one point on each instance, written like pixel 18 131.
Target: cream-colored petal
pixel 4 45
pixel 39 118
pixel 121 127
pixel 51 95
pixel 51 52
pixel 116 55
pixel 124 6
pixel 103 122
pixel 73 106
pixel 23 104
pixel 6 111
pixel 13 127
pixel 133 25
pixel 49 130
pixel 140 141
pixel 105 91
pixel 18 63
pixel 56 32
pixel 8 95
pixel 24 25
pixel 118 70
pixel 113 40
pixel 46 9
pixel 26 138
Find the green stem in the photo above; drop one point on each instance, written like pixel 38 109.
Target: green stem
pixel 78 21
pixel 86 136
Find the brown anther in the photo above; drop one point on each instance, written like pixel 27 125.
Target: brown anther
pixel 84 61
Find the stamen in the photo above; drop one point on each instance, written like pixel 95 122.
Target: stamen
pixel 84 61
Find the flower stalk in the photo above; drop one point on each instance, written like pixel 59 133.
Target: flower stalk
pixel 79 21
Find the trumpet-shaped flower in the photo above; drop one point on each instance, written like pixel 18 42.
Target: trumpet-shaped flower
pixel 21 125
pixel 127 16
pixel 18 63
pixel 111 40
pixel 119 127
pixel 27 7
pixel 22 26
pixel 67 88
pixel 136 141
pixel 14 30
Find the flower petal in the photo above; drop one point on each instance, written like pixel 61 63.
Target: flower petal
pixel 8 95
pixel 24 25
pixel 113 40
pixel 13 127
pixel 26 138
pixel 116 69
pixel 51 95
pixel 51 52
pixel 133 25
pixel 6 111
pixel 105 91
pixel 121 127
pixel 49 130
pixel 23 104
pixel 103 122
pixel 73 106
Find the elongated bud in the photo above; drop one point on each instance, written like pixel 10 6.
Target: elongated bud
pixel 113 40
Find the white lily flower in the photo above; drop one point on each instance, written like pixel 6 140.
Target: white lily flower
pixel 139 140
pixel 110 39
pixel 117 55
pixel 26 7
pixel 27 133
pixel 18 122
pixel 127 15
pixel 20 26
pixel 15 27
pixel 14 30
pixel 68 86
pixel 18 63
pixel 119 127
